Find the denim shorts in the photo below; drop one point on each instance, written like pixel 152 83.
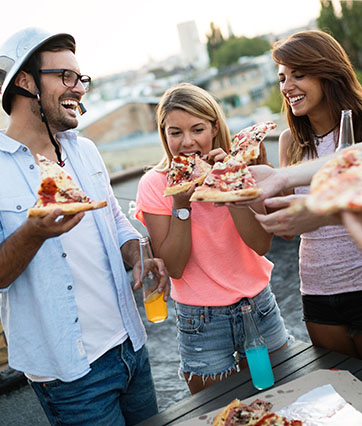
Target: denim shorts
pixel 211 339
pixel 335 309
pixel 118 391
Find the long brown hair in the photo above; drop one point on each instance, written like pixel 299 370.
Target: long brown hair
pixel 318 54
pixel 198 102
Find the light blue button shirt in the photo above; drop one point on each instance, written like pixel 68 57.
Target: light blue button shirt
pixel 38 310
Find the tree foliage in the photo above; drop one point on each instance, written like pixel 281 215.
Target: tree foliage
pixel 214 40
pixel 274 101
pixel 328 21
pixel 226 52
pixel 345 28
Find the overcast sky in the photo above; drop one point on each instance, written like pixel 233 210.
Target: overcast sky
pixel 117 35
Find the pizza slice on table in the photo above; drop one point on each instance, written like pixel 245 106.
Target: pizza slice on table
pixel 58 191
pixel 258 413
pixel 336 186
pixel 185 171
pixel 246 144
pixel 227 182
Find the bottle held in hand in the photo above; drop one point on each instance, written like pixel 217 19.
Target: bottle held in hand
pixel 155 306
pixel 346 135
pixel 256 352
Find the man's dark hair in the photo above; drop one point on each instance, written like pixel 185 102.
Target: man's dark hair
pixel 54 45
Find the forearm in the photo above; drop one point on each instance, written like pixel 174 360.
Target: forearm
pixel 302 174
pixel 176 248
pixel 131 252
pixel 16 252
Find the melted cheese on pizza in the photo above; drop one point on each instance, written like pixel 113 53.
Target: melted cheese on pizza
pixel 338 185
pixel 181 169
pixel 230 176
pixel 251 136
pixel 56 186
pixel 258 413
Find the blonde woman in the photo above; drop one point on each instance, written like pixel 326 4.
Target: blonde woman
pixel 214 255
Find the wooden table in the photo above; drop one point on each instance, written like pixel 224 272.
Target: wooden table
pixel 288 364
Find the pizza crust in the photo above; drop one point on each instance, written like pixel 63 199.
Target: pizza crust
pixel 257 413
pixel 184 186
pixel 337 185
pixel 328 207
pixel 213 195
pixel 219 420
pixel 67 208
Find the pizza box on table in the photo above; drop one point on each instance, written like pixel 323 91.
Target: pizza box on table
pixel 343 382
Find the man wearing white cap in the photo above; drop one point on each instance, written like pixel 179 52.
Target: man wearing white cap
pixel 68 310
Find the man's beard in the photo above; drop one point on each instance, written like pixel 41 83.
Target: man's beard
pixel 56 118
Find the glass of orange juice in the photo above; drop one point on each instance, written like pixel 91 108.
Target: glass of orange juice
pixel 155 306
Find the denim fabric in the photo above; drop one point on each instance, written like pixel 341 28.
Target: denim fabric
pixel 208 337
pixel 44 293
pixel 335 309
pixel 118 391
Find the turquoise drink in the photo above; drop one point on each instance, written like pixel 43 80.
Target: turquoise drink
pixel 260 368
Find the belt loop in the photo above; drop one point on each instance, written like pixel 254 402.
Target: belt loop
pixel 251 303
pixel 206 314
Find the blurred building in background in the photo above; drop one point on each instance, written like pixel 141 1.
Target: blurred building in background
pixel 119 118
pixel 193 52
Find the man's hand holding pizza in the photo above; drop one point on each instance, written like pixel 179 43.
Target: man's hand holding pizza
pixel 53 224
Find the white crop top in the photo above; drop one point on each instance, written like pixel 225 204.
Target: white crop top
pixel 329 261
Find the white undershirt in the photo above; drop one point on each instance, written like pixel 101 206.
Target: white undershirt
pixel 95 295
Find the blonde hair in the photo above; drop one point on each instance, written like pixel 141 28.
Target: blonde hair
pixel 319 55
pixel 195 101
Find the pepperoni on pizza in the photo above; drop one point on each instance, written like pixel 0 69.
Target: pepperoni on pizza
pixel 185 171
pixel 58 190
pixel 337 185
pixel 227 182
pixel 246 144
pixel 258 413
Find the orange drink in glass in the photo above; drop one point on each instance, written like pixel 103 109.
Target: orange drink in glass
pixel 155 307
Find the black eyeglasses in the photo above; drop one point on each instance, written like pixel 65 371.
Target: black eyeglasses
pixel 70 78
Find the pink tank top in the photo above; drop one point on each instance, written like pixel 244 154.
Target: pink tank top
pixel 329 261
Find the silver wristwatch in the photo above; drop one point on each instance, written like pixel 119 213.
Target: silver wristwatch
pixel 182 214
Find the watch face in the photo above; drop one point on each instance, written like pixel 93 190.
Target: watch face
pixel 183 214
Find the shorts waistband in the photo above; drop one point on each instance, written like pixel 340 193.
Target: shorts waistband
pixel 206 310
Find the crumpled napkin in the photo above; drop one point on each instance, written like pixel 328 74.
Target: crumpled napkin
pixel 322 406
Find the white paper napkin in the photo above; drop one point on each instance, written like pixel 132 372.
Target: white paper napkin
pixel 322 406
